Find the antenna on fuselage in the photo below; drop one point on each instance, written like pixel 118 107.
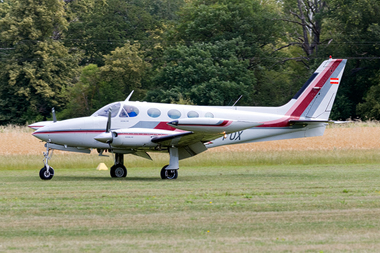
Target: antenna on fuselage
pixel 54 117
pixel 129 96
pixel 237 100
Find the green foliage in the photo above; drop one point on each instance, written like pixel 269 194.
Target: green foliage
pixel 105 25
pixel 35 72
pixel 218 20
pixel 204 73
pixel 98 86
pixel 370 108
pixel 358 37
pixel 201 52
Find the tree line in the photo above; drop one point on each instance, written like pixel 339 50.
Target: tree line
pixel 78 55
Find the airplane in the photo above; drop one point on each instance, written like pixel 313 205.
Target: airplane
pixel 183 131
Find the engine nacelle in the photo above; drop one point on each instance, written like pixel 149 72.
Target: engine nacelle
pixel 137 137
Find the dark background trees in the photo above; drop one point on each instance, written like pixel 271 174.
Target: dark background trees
pixel 80 55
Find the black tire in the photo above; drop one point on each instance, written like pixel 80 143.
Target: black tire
pixel 118 170
pixel 163 172
pixel 168 174
pixel 46 174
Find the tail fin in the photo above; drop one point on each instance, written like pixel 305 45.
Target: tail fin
pixel 316 98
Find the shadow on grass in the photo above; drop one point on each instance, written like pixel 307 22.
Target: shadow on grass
pixel 90 178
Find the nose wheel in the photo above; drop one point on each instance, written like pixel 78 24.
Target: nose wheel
pixel 46 173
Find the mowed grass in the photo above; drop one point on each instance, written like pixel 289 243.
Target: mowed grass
pixel 314 208
pixel 280 197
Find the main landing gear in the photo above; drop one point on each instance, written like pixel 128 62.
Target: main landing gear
pixel 47 172
pixel 171 171
pixel 118 169
pixel 168 174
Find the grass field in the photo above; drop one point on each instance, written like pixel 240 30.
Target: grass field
pixel 286 196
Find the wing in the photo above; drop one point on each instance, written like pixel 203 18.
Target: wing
pixel 197 131
pixel 186 138
pixel 189 143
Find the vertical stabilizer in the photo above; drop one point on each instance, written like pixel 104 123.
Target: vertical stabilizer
pixel 315 99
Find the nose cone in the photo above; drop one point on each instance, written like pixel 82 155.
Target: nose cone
pixel 104 137
pixel 42 133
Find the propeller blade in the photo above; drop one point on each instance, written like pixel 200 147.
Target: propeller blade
pixel 107 136
pixel 108 126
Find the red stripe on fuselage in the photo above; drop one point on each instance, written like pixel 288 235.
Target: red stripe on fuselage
pixel 224 123
pixel 144 134
pixel 69 131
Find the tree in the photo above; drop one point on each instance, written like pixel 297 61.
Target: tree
pixel 370 107
pixel 307 15
pixel 38 68
pixel 98 27
pixel 357 37
pixel 217 20
pixel 123 70
pixel 204 74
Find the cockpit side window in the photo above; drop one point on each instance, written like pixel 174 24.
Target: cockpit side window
pixel 129 111
pixel 103 112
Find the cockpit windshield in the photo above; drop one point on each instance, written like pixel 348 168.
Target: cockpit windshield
pixel 129 111
pixel 103 112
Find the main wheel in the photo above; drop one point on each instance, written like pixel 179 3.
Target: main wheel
pixel 46 174
pixel 168 174
pixel 118 170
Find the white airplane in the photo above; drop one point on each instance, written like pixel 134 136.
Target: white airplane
pixel 184 131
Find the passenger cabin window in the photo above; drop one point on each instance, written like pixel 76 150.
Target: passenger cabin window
pixel 103 112
pixel 154 112
pixel 192 114
pixel 174 114
pixel 209 115
pixel 129 111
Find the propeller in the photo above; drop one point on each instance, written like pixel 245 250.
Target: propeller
pixel 107 136
pixel 108 126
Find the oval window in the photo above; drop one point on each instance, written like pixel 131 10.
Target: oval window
pixel 154 112
pixel 209 115
pixel 129 111
pixel 174 114
pixel 192 114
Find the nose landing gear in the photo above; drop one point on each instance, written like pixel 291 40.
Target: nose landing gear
pixel 47 172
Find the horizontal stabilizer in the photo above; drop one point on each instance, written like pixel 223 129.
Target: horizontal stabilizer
pixel 313 122
pixel 307 122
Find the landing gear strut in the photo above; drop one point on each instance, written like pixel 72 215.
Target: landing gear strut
pixel 118 169
pixel 171 171
pixel 47 172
